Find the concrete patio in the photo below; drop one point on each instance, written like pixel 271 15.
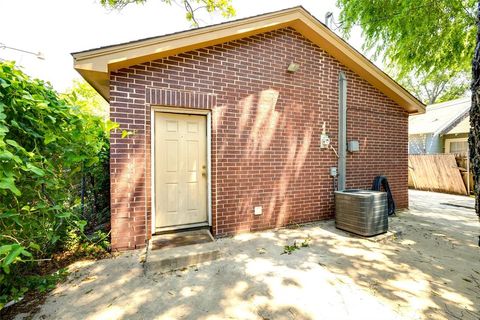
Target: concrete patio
pixel 431 271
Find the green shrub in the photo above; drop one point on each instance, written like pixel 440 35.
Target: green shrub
pixel 53 177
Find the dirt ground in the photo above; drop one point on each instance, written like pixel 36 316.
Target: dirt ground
pixel 432 271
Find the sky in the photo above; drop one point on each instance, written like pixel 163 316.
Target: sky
pixel 57 28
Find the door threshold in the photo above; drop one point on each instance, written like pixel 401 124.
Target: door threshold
pixel 184 227
pixel 169 240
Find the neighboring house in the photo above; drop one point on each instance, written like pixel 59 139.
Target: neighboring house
pixel 443 128
pixel 226 122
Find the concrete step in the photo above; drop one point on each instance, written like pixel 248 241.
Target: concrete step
pixel 177 258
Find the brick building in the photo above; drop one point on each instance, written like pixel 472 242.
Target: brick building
pixel 225 133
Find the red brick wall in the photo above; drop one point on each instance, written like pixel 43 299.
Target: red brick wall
pixel 266 125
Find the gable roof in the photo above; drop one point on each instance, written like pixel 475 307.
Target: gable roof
pixel 95 64
pixel 441 118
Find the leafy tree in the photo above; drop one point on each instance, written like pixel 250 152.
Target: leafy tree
pixel 453 92
pixel 416 35
pixel 425 36
pixel 82 95
pixel 191 7
pixel 436 87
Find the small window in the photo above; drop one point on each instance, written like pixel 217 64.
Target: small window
pixel 457 146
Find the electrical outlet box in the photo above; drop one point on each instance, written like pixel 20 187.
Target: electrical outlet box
pixel 353 146
pixel 257 211
pixel 324 141
pixel 333 171
pixel 293 67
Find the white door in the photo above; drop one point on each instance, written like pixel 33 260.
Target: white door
pixel 180 169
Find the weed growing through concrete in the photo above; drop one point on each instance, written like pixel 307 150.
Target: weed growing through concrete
pixel 288 249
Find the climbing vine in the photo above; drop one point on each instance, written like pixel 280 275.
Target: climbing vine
pixel 53 177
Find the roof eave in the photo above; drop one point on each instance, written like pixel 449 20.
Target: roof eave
pixel 95 65
pixel 101 61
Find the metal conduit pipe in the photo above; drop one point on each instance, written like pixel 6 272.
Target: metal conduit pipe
pixel 342 131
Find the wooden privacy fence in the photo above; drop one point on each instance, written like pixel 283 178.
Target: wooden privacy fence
pixel 435 172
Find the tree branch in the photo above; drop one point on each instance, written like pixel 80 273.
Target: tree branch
pixel 191 12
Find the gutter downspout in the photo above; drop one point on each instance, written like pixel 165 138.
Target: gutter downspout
pixel 342 131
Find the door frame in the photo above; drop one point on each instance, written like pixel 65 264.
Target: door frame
pixel 176 110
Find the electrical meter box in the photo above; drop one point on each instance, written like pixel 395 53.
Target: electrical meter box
pixel 324 141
